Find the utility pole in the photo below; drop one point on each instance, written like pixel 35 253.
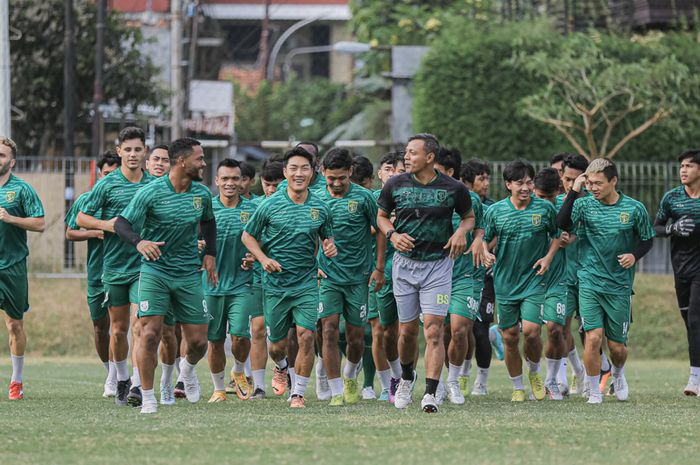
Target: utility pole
pixel 5 102
pixel 98 96
pixel 192 53
pixel 264 56
pixel 177 98
pixel 69 118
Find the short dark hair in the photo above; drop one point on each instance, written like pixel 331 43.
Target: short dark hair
pixel 392 158
pixel 229 163
pixel 548 181
pixel 605 166
pixel 160 146
pixel 479 167
pixel 272 171
pixel 557 157
pixel 693 154
pixel 337 159
pixel 109 158
pixel 131 132
pixel 298 152
pixel 362 168
pixel 576 161
pixel 518 169
pixel 276 157
pixel 449 158
pixel 247 170
pixel 466 174
pixel 312 144
pixel 182 147
pixel 431 143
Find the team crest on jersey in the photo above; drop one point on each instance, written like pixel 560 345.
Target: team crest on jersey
pixel 624 218
pixel 536 220
pixel 441 196
pixel 245 216
pixel 10 197
pixel 314 214
pixel 352 206
pixel 197 203
pixel 143 305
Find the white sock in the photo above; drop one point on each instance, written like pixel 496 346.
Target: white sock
pixel 533 366
pixel 359 367
pixel 320 369
pixel 177 366
pixel 148 396
pixel 350 370
pixel 238 367
pixel 593 384
pixel 453 373
pixel 482 376
pixel 385 379
pixel 186 368
pixel 466 368
pixel 218 380
pixel 259 379
pixel 17 367
pixel 552 370
pixel 395 368
pixel 517 383
pixel 282 364
pixel 112 373
pixel 135 378
pixel 336 385
pixel 694 375
pixel 106 365
pixel 246 368
pixel 604 362
pixel 561 374
pixel 575 362
pixel 300 385
pixel 166 377
pixel 292 375
pixel 122 370
pixel 618 371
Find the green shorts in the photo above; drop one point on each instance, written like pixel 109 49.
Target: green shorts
pixel 382 305
pixel 571 301
pixel 182 296
pixel 611 312
pixel 121 291
pixel 14 290
pixel 97 301
pixel 256 304
pixel 555 306
pixel 350 301
pixel 462 302
pixel 529 309
pixel 231 310
pixel 283 309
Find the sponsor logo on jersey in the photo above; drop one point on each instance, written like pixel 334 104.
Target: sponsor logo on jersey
pixel 352 206
pixel 245 216
pixel 624 218
pixel 197 203
pixel 314 214
pixel 10 196
pixel 536 220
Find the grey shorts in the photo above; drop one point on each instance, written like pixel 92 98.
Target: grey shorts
pixel 421 287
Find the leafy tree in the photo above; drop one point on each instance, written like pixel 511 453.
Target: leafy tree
pixel 37 69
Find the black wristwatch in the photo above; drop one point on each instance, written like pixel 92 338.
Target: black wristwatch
pixel 389 233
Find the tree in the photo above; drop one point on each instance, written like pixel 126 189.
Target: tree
pixel 600 102
pixel 37 69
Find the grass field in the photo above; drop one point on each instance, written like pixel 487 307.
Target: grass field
pixel 63 420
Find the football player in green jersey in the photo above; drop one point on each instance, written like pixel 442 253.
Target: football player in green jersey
pixel 121 262
pixel 618 233
pixel 283 235
pixel 95 290
pixel 679 219
pixel 20 211
pixel 170 212
pixel 525 229
pixel 158 161
pixel 344 279
pixel 247 180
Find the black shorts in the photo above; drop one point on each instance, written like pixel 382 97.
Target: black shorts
pixel 488 300
pixel 687 291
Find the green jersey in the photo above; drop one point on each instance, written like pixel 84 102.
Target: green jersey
pixel 353 216
pixel 571 253
pixel 173 218
pixel 21 200
pixel 257 269
pixel 109 198
pixel 610 230
pixel 288 233
pixel 523 238
pixel 230 222
pixel 685 251
pixel 464 265
pixel 94 246
pixel 389 254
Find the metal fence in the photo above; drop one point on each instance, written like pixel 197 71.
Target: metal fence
pixel 645 181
